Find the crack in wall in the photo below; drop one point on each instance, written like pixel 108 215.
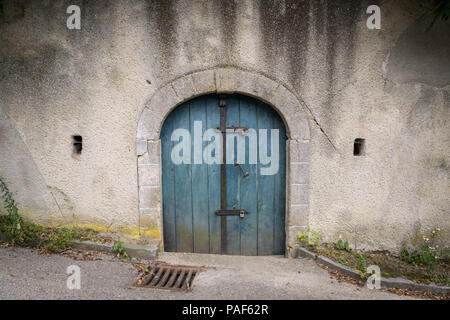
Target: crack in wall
pixel 317 123
pixel 326 135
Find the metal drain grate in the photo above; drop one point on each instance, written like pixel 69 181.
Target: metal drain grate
pixel 168 277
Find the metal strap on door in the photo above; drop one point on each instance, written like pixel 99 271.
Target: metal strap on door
pixel 224 212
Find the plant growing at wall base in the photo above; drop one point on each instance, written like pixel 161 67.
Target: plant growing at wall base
pixel 362 263
pixel 118 248
pixel 23 233
pixel 444 279
pixel 340 245
pixel 14 221
pixel 310 237
pixel 428 252
pixel 7 197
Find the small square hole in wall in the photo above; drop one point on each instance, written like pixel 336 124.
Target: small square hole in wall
pixel 359 147
pixel 77 144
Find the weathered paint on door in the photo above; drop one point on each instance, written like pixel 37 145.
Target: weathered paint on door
pixel 192 192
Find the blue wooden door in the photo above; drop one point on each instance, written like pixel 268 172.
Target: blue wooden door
pixel 254 181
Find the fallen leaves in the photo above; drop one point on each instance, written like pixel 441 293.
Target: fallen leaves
pixel 81 255
pixel 140 267
pixel 341 277
pixel 5 245
pixel 420 294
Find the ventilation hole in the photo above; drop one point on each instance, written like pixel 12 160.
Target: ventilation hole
pixel 77 144
pixel 358 147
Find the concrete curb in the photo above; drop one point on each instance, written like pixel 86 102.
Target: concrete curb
pixel 401 283
pixel 149 252
pixel 302 252
pixel 143 252
pixel 337 266
pixel 133 250
pixel 398 283
pixel 92 246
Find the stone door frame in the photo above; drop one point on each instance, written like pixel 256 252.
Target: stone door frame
pixel 223 80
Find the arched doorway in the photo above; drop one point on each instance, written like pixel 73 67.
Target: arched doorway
pixel 222 80
pixel 224 177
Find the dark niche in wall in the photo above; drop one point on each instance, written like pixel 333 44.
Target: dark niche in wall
pixel 77 144
pixel 359 147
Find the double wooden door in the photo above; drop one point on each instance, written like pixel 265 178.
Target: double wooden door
pixel 229 199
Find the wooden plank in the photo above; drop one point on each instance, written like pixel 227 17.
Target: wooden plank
pixel 199 177
pixel 265 187
pixel 248 185
pixel 213 175
pixel 233 181
pixel 168 187
pixel 280 191
pixel 223 173
pixel 183 192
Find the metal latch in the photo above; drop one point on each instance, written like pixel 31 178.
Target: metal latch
pixel 245 174
pixel 233 212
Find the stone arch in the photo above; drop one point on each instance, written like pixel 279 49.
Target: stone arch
pixel 224 80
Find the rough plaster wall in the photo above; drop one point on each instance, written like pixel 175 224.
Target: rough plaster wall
pixel 56 83
pixel 357 83
pixel 401 185
pixel 17 167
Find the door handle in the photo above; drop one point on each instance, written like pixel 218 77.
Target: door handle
pixel 246 174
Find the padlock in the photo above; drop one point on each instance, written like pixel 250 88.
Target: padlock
pixel 241 214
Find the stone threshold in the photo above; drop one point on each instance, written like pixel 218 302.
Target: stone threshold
pixel 398 283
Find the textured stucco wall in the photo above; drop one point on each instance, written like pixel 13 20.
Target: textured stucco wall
pixel 389 86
